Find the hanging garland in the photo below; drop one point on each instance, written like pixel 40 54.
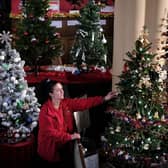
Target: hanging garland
pixel 63 15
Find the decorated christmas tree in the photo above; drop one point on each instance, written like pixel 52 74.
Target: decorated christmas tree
pixel 138 129
pixel 36 40
pixel 19 108
pixel 90 45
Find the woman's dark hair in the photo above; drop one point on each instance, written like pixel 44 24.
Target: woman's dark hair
pixel 45 87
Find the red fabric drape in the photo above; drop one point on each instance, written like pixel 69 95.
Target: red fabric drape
pixel 94 76
pixel 18 155
pixel 15 7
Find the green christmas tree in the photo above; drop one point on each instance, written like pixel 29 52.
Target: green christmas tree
pixel 90 45
pixel 138 128
pixel 19 108
pixel 36 40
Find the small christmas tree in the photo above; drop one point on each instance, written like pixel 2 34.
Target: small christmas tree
pixel 90 45
pixel 138 128
pixel 19 108
pixel 36 40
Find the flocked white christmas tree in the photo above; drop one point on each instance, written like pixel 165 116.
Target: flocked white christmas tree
pixel 162 50
pixel 19 107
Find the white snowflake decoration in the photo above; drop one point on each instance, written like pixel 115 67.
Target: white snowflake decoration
pixel 5 37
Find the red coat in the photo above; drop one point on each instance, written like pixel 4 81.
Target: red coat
pixel 57 125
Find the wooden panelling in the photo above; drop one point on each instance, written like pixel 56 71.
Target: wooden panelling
pixel 68 32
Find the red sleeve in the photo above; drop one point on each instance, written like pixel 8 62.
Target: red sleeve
pixel 49 127
pixel 84 103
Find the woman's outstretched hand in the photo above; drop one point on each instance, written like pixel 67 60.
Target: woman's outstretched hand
pixel 75 136
pixel 110 95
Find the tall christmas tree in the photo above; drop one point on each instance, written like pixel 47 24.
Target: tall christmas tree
pixel 19 108
pixel 36 40
pixel 90 45
pixel 138 128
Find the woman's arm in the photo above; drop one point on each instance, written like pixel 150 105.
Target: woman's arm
pixel 86 103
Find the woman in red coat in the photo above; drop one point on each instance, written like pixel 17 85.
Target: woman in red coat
pixel 56 123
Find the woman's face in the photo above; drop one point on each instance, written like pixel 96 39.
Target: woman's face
pixel 58 92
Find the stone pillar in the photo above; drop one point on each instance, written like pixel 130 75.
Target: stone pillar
pixel 129 19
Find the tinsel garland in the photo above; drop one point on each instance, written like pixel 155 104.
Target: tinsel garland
pixel 119 154
pixel 63 15
pixel 135 122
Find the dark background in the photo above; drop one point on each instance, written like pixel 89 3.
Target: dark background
pixel 5 9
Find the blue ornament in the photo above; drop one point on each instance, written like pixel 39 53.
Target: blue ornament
pixel 76 72
pixel 29 120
